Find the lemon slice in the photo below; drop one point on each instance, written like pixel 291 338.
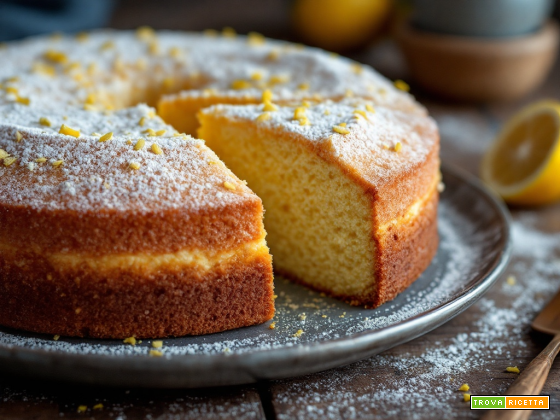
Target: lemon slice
pixel 523 163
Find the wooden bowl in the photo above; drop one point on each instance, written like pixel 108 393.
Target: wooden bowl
pixel 479 69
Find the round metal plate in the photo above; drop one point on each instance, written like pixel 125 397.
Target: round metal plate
pixel 474 250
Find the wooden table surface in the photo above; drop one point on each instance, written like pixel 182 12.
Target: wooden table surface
pixel 415 380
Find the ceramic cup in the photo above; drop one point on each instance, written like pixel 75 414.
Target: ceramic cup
pixel 481 18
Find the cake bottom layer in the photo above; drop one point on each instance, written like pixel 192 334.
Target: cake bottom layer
pixel 173 300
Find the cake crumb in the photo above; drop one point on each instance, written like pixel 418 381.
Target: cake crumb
pixel 464 387
pixel 512 369
pixel 302 317
pixel 323 316
pixel 98 406
pixel 511 280
pixel 272 326
pixel 298 333
pixel 56 337
pixel 82 408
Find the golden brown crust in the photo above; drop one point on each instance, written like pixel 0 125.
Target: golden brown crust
pixel 124 231
pixel 80 302
pixel 403 252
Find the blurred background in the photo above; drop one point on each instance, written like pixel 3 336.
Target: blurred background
pixel 432 34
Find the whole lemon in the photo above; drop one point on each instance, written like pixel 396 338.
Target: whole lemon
pixel 339 25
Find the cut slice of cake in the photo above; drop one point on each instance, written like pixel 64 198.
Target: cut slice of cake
pixel 350 191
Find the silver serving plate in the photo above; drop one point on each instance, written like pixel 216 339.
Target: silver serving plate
pixel 473 252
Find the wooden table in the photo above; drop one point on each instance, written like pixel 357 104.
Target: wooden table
pixel 415 380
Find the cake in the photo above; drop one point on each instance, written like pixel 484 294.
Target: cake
pixel 350 190
pixel 114 223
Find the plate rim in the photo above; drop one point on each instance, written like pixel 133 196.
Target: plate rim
pixel 267 364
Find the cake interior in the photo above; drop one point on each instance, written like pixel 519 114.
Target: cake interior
pixel 318 221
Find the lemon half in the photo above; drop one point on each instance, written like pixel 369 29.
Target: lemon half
pixel 523 163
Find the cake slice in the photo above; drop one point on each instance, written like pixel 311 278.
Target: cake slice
pixel 350 191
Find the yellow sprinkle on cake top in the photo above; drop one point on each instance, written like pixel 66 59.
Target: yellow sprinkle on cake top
pixel 212 33
pixel 464 387
pixel 240 84
pixel 357 68
pixel 254 38
pixel 229 32
pixel 106 137
pixel 90 99
pixel 139 144
pixel 64 129
pixel 269 106
pixel 98 406
pixel 160 132
pixel 341 130
pixel 19 136
pixel 56 56
pixel 3 154
pixel 273 55
pixel 466 397
pixel 370 108
pixel 360 112
pixel 157 344
pixel 134 165
pixel 41 160
pixel 107 46
pixel 229 185
pixel 264 116
pixel 155 353
pixel 511 280
pixel 398 147
pixel 45 121
pixel 304 121
pixel 56 337
pixel 130 340
pixel 267 95
pixel 512 369
pixel 57 163
pixel 142 121
pixel 23 100
pixel 401 85
pixel 82 37
pixel 299 113
pixel 145 33
pixel 156 149
pixel 9 161
pixel 279 78
pixel 303 86
pixel 256 75
pixel 82 408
